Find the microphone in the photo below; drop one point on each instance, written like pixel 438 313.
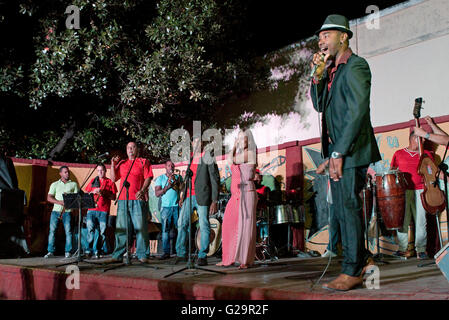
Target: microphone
pixel 315 67
pixel 103 155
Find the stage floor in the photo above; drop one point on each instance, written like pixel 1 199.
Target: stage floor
pixel 286 279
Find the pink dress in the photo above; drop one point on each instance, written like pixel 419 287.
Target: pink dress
pixel 239 222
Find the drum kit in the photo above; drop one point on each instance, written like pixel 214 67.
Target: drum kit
pixel 267 216
pixel 272 216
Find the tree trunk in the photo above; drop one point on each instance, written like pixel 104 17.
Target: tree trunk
pixel 61 144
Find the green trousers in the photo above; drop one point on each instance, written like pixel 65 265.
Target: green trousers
pixel 346 208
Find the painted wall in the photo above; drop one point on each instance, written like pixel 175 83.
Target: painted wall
pixel 408 59
pixel 36 176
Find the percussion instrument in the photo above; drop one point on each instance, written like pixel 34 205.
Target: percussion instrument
pixel 214 237
pixel 390 196
pixel 263 214
pixel 281 214
pixel 287 213
pixel 297 214
pixel 223 199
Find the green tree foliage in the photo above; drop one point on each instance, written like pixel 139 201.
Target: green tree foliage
pixel 135 69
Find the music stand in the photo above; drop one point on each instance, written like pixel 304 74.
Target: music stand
pixel 190 265
pixel 78 201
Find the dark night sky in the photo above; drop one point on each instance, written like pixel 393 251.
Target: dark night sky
pixel 274 23
pixel 279 23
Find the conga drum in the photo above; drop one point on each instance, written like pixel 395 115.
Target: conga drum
pixel 390 195
pixel 214 236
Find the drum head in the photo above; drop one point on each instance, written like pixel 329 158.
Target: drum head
pixel 214 237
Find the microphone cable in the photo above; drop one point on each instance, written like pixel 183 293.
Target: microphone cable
pixel 328 200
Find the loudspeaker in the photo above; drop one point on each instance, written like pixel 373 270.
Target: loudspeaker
pixel 11 205
pixel 442 260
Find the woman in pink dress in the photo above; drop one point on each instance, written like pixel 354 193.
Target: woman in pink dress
pixel 239 222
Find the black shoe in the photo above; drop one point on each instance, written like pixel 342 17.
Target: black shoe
pixel 179 260
pixel 202 262
pixel 165 256
pixel 422 256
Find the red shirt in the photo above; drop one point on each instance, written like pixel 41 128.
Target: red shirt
pixel 194 168
pixel 262 190
pixel 407 161
pixel 103 204
pixel 139 173
pixel 332 70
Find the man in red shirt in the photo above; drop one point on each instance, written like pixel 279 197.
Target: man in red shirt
pixel 104 191
pixel 407 160
pixel 139 179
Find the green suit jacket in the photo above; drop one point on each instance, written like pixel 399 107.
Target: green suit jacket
pixel 207 182
pixel 346 113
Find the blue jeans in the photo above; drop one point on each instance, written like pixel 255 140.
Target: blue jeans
pixel 138 216
pixel 169 216
pixel 54 219
pixel 93 218
pixel 183 226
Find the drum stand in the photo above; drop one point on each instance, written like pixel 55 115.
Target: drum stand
pixel 267 246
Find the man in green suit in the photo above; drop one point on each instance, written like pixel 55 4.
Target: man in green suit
pixel 204 197
pixel 341 91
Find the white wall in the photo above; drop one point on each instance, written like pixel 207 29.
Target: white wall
pixel 408 56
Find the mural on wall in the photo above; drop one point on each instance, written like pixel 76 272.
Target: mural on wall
pixel 319 213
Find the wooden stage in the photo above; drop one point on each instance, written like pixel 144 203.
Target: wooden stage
pixel 284 279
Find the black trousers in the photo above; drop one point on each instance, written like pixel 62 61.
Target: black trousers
pixel 346 208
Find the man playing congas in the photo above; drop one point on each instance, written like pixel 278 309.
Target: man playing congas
pixel 407 161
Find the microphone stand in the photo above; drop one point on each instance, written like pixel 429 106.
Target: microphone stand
pixel 190 265
pixel 126 185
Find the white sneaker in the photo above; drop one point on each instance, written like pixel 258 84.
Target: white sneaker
pixel 328 253
pixel 49 255
pixel 67 254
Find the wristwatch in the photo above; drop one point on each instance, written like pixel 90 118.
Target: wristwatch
pixel 427 136
pixel 336 155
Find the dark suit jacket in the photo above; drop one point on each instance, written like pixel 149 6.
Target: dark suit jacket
pixel 346 113
pixel 207 182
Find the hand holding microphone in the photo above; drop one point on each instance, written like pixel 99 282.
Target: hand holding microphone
pixel 318 64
